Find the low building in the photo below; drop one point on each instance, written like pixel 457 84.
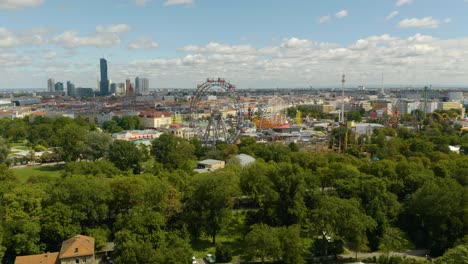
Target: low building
pixel 156 119
pixel 78 249
pixel 364 128
pixel 180 131
pixel 137 135
pixel 209 165
pixel 75 250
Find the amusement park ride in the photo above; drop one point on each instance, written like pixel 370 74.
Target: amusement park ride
pixel 217 129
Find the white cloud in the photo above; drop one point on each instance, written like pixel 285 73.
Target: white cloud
pixel 19 4
pixel 115 28
pixel 143 43
pixel 403 2
pixel 419 38
pixel 35 36
pixel 214 47
pixel 104 37
pixel 71 39
pixel 302 62
pixel 295 43
pixel 288 62
pixel 324 19
pixel 49 55
pixel 178 2
pixel 448 20
pixel 342 13
pixel 13 59
pixel 392 15
pixel 140 2
pixel 361 44
pixel 427 22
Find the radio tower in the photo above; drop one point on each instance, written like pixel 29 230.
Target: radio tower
pixel 382 86
pixel 342 98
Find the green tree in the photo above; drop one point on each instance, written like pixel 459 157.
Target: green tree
pixel 4 150
pixel 2 247
pixel 436 215
pixel 125 155
pixel 278 190
pixel 262 242
pixel 70 138
pixel 87 196
pixel 291 245
pixel 112 126
pixel 173 153
pixel 21 213
pixel 394 239
pixel 342 218
pixel 209 205
pixel 456 255
pixel 95 145
pixel 58 224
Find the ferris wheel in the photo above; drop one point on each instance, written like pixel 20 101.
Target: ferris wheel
pixel 219 128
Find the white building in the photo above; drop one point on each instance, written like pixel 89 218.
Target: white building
pixel 50 85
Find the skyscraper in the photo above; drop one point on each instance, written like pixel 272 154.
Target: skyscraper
pixel 137 85
pixel 144 86
pixel 70 89
pixel 58 87
pixel 113 88
pixel 50 85
pixel 104 83
pixel 130 91
pixel 141 86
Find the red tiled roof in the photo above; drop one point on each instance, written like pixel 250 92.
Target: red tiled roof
pixel 77 246
pixel 47 258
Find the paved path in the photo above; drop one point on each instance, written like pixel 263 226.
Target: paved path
pixel 36 165
pixel 411 253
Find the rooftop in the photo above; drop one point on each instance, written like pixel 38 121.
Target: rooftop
pixel 77 246
pixel 46 258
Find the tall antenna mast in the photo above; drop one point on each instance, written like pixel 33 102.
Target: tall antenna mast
pixel 342 97
pixel 382 85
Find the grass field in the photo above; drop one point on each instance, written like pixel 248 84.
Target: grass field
pixel 23 174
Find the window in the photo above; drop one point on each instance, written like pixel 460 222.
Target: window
pixel 77 261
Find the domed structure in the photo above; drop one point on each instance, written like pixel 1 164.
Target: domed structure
pixel 243 159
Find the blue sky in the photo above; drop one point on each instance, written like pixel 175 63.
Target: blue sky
pixel 252 43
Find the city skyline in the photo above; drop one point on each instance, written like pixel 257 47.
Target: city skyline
pixel 179 43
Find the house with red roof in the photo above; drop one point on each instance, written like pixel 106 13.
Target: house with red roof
pixel 75 250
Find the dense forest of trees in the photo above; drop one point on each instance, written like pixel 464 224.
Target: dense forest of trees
pixel 301 204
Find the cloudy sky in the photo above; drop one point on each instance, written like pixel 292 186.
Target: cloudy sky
pixel 252 43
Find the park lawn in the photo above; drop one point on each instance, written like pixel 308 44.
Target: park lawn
pixel 231 235
pixel 23 174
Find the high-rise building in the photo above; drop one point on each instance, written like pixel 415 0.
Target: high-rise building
pixel 141 86
pixel 104 83
pixel 58 87
pixel 50 85
pixel 137 85
pixel 129 88
pixel 70 89
pixel 113 88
